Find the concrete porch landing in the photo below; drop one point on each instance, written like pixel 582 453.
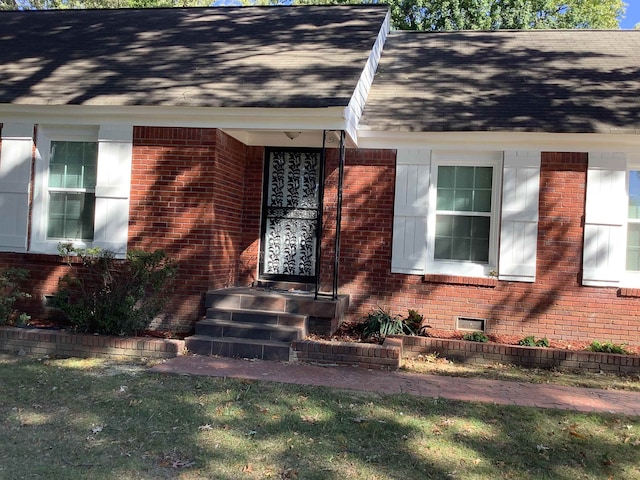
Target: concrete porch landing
pixel 262 322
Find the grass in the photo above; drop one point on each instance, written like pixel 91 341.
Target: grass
pixel 434 365
pixel 77 419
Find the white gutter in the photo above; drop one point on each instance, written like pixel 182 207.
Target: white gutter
pixel 278 119
pixel 549 142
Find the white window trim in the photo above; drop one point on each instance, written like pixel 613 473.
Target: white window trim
pixel 630 279
pixel 113 186
pixel 465 268
pixel 47 134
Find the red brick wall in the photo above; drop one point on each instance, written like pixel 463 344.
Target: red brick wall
pixel 187 198
pixel 197 194
pixel 556 305
pixel 248 266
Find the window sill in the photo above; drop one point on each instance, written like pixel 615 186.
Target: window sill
pixel 459 280
pixel 50 258
pixel 629 292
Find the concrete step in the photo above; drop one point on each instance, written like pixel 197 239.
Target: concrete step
pixel 214 327
pixel 285 286
pixel 254 316
pixel 239 347
pixel 325 314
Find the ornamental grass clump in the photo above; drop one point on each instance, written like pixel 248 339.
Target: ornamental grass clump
pixel 381 323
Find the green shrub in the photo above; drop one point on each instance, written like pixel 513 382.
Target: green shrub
pixel 11 280
pixel 114 297
pixel 530 341
pixel 414 320
pixel 381 323
pixel 476 337
pixel 607 347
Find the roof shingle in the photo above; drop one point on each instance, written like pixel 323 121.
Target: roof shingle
pixel 529 80
pixel 204 57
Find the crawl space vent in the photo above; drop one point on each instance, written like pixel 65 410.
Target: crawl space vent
pixel 474 324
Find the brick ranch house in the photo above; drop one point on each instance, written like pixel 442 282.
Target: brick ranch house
pixel 485 179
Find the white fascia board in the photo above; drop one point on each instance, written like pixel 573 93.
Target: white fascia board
pixel 547 142
pixel 283 119
pixel 354 110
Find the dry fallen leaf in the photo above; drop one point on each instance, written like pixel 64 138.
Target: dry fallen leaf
pixel 96 429
pixel 288 473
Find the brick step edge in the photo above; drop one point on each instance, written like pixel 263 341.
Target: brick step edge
pixel 38 342
pixel 367 355
pixel 463 351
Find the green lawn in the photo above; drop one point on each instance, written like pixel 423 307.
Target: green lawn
pixel 71 419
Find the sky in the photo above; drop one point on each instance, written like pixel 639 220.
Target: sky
pixel 633 14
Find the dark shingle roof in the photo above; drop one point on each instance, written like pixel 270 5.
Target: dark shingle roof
pixel 534 81
pixel 231 57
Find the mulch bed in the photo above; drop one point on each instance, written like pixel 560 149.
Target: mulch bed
pixel 352 332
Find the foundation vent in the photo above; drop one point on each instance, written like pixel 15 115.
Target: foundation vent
pixel 473 324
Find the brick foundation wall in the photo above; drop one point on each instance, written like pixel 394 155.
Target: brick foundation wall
pixel 37 342
pixel 555 306
pixel 488 353
pixel 364 355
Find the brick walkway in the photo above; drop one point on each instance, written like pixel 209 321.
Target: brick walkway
pixel 466 389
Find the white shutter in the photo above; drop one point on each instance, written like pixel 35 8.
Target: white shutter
pixel 605 217
pixel 519 227
pixel 113 186
pixel 409 249
pixel 15 174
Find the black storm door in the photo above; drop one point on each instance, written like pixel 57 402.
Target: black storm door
pixel 290 215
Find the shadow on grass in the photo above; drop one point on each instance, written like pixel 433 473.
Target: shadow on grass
pixel 78 419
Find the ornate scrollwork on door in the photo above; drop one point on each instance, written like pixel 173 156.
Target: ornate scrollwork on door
pixel 291 213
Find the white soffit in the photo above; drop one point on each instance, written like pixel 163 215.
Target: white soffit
pixel 281 119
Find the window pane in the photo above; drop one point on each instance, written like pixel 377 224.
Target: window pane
pixel 462 238
pixel 633 246
pixel 462 227
pixel 464 189
pixel 73 164
pixel 484 177
pixel 479 251
pixel 71 215
pixel 444 225
pixel 634 194
pixel 446 177
pixel 482 201
pixel 443 248
pixel 464 177
pixel 445 199
pixel 463 201
pixel 461 249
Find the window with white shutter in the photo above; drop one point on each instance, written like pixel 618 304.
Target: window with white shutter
pixel 519 216
pixel 448 218
pixel 606 213
pixel 15 173
pixel 82 184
